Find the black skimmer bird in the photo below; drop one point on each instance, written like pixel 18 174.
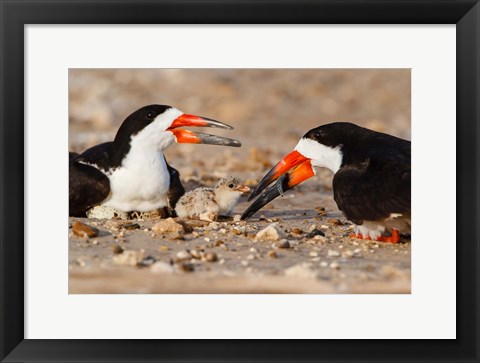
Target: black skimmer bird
pixel 371 183
pixel 131 173
pixel 209 203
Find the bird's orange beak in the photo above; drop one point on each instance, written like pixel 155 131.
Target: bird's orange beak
pixel 292 170
pixel 190 137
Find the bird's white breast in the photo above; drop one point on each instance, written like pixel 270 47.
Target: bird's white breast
pixel 141 182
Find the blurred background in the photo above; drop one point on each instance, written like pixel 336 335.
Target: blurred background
pixel 269 108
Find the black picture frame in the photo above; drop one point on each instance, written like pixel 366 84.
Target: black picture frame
pixel 15 14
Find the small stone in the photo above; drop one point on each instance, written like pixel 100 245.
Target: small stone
pixel 117 249
pixel 324 264
pixel 313 254
pixel 222 261
pixel 222 230
pixel 206 239
pixel 211 257
pixel 163 248
pixel 168 226
pixel 237 218
pixel 129 257
pixel 335 265
pixel 296 230
pixel 333 253
pixel 183 255
pixel 272 254
pixel 253 249
pixel 244 263
pixel 147 261
pixel 161 267
pixel 272 233
pixel 284 244
pixel 185 267
pixel 219 242
pixel 214 225
pixel 320 211
pixel 250 257
pixel 302 271
pixel 236 231
pixel 334 221
pixel 84 230
pixel 315 232
pixel 130 226
pixel 81 262
pixel 196 254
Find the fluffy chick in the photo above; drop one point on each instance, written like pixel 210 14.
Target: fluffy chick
pixel 207 203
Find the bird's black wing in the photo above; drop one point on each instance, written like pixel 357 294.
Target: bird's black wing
pixel 176 190
pixel 87 186
pixel 376 188
pixel 98 156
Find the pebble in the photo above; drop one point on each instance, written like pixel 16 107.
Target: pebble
pixel 324 264
pixel 237 218
pixel 272 254
pixel 168 225
pixel 206 239
pixel 223 230
pixel 214 225
pixel 129 257
pixel 163 248
pixel 161 267
pixel 130 226
pixel 147 261
pixel 253 249
pixel 117 249
pixel 211 257
pixel 84 230
pixel 335 265
pixel 185 267
pixel 272 233
pixel 219 242
pixel 183 255
pixel 196 254
pixel 313 254
pixel 250 257
pixel 296 230
pixel 81 262
pixel 334 221
pixel 284 244
pixel 315 232
pixel 333 253
pixel 302 271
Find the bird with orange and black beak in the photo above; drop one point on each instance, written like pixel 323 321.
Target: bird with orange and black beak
pixel 371 182
pixel 131 173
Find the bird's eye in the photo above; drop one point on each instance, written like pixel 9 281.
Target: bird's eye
pixel 230 186
pixel 150 115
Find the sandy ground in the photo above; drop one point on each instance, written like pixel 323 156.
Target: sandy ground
pixel 270 110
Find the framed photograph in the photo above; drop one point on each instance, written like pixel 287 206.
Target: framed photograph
pixel 304 230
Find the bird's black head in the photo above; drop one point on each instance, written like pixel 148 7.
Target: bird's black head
pixel 332 135
pixel 140 119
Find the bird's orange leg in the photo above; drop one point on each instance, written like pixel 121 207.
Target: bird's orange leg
pixel 394 238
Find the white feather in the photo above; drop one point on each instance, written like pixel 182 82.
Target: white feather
pixel 321 155
pixel 142 181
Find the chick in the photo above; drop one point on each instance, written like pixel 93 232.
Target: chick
pixel 207 203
